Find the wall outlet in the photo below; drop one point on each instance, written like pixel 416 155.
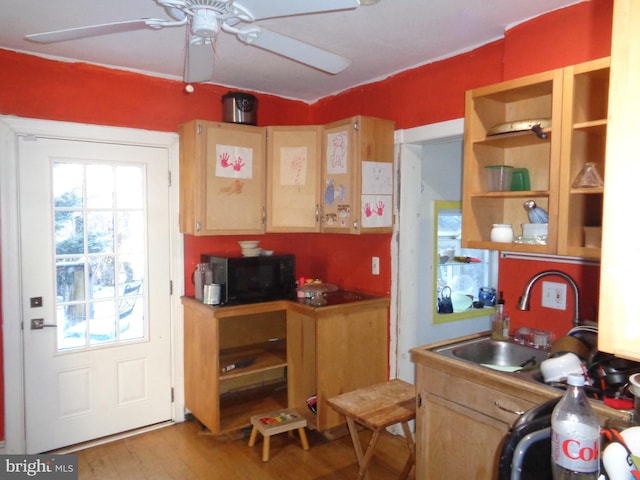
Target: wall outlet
pixel 554 295
pixel 375 265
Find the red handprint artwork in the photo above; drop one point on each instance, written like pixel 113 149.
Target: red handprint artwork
pixel 234 161
pixel 378 210
pixel 367 209
pixel 224 159
pixel 238 164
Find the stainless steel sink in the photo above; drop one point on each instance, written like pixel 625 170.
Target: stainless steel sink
pixel 497 354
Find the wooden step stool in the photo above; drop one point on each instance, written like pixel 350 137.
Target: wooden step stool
pixel 268 424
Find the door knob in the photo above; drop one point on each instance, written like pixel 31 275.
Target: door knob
pixel 38 324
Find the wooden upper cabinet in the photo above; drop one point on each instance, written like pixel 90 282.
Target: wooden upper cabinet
pixel 536 97
pixel 574 101
pixel 293 178
pixel 619 323
pixel 240 179
pixel 584 135
pixel 222 178
pixel 357 176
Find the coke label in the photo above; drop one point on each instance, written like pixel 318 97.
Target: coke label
pixel 578 454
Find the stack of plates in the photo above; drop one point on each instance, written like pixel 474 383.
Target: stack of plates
pixel 250 248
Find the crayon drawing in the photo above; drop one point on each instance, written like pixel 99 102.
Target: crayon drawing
pixel 293 165
pixel 337 153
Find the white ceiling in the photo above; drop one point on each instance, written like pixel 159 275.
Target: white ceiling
pixel 381 39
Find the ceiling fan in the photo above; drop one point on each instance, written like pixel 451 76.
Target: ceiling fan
pixel 205 20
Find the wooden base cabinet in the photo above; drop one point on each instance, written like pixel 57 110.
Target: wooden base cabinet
pixel 334 350
pixel 464 411
pixel 283 353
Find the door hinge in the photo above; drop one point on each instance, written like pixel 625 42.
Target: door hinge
pixel 170 287
pixel 169 177
pixel 172 395
pixel 419 400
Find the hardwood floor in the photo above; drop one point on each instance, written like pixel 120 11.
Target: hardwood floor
pixel 182 451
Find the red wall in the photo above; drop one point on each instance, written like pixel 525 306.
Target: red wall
pixel 40 88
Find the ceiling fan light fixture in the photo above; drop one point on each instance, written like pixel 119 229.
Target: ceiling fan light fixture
pixel 204 23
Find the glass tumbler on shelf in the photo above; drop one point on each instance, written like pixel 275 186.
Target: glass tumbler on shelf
pixel 588 177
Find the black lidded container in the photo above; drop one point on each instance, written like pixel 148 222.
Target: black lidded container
pixel 239 107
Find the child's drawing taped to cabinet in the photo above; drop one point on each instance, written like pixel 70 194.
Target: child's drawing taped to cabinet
pixel 377 194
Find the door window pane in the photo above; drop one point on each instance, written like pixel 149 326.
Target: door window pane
pixel 100 247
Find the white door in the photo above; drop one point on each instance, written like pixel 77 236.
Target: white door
pixel 96 301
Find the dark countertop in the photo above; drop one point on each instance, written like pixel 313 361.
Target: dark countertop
pixel 339 297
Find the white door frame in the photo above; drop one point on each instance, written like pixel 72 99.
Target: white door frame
pixel 10 129
pixel 404 305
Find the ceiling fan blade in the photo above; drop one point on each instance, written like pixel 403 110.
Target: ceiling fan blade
pixel 199 61
pixel 294 49
pixel 89 31
pixel 282 8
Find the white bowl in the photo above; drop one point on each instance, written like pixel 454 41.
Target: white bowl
pixel 251 252
pixel 248 243
pixel 267 253
pixel 557 369
pixel 461 302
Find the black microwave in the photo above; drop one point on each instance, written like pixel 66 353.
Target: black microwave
pixel 253 279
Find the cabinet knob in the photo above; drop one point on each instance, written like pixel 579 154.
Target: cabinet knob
pixel 197 226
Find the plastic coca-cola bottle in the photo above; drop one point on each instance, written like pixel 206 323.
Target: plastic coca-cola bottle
pixel 575 435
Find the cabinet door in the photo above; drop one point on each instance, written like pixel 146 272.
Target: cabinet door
pixel 456 442
pixel 584 135
pixel 293 179
pixel 201 364
pixel 357 176
pixel 530 99
pixel 351 353
pixel 619 331
pixel 222 169
pixel 339 173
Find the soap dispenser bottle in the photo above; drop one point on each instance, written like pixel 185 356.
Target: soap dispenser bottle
pixel 500 321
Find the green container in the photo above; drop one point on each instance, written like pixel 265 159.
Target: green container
pixel 520 180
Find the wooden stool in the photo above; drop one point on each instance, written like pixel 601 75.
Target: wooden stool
pixel 377 407
pixel 277 422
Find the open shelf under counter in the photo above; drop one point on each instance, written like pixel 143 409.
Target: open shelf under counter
pixel 237 407
pixel 258 358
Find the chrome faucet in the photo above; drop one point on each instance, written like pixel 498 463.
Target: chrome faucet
pixel 523 303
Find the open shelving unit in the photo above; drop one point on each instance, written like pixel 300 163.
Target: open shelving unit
pixel 584 134
pixel 575 100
